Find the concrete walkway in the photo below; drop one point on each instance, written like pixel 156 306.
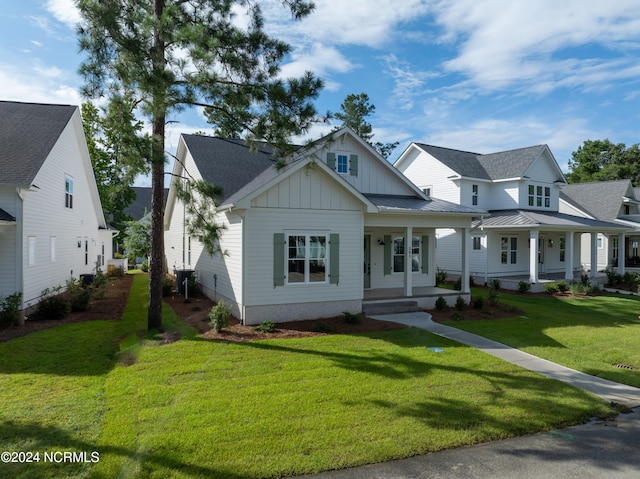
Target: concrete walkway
pixel 610 391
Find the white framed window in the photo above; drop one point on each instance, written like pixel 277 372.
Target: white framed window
pixel 477 243
pixel 427 190
pixel 400 250
pixel 342 164
pixel 474 195
pixel 86 251
pixel 508 250
pixel 52 249
pixel 547 197
pixel 614 247
pixel 31 257
pixel 563 249
pixel 68 192
pixel 307 258
pixel 539 196
pixel 600 241
pixel 102 257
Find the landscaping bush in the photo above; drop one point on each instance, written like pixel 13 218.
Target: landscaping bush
pixel 456 316
pixel 458 285
pixel 266 327
pixel 145 267
pixel 441 303
pixel 193 285
pixel 523 286
pixel 495 284
pixel 80 300
pixel 551 288
pixel 351 318
pixel 613 278
pixel 219 316
pixel 53 307
pixel 322 328
pixel 10 309
pixel 562 286
pixel 460 304
pixel 117 272
pixel 477 302
pixel 167 286
pixel 441 276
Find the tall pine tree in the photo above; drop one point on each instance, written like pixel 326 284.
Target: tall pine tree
pixel 167 55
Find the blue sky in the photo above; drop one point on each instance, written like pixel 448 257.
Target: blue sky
pixel 481 76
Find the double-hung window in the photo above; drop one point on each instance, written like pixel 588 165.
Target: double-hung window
pixel 342 164
pixel 474 195
pixel 306 258
pixel 508 250
pixel 399 252
pixel 539 196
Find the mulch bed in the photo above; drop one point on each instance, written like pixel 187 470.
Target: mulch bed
pixel 110 306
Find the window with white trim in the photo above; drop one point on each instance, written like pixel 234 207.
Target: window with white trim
pixel 508 250
pixel 68 193
pixel 474 195
pixel 539 195
pixel 399 252
pixel 306 258
pixel 477 243
pixel 600 241
pixel 342 164
pixel 563 249
pixel 31 241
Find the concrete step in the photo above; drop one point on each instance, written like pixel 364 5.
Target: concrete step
pixel 389 307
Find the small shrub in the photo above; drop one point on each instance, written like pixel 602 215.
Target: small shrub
pixel 322 328
pixel 441 276
pixel 460 304
pixel 10 309
pixel 562 286
pixel 145 267
pixel 193 285
pixel 551 288
pixel 265 327
pixel 577 288
pixel 495 284
pixel 492 296
pixel 477 302
pixel 585 280
pixel 116 272
pixel 80 300
pixel 458 285
pixel 53 307
pixel 351 318
pixel 167 286
pixel 456 316
pixel 524 286
pixel 219 316
pixel 441 303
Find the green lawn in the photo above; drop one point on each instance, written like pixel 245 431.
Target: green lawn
pixel 590 334
pixel 199 408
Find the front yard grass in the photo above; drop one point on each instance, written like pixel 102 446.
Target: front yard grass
pixel 598 335
pixel 198 408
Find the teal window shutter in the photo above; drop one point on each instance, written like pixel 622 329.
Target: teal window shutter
pixel 425 255
pixel 387 254
pixel 334 258
pixel 353 165
pixel 331 160
pixel 278 259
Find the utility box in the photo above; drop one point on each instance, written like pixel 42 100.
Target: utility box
pixel 181 275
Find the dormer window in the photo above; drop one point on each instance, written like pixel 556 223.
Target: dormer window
pixel 342 164
pixel 627 209
pixel 539 195
pixel 427 190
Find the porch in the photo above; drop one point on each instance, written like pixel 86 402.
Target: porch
pixel 394 300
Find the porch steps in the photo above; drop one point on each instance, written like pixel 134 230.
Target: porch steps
pixel 389 307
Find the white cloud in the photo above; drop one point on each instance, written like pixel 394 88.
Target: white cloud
pixel 319 59
pixel 64 11
pixel 504 43
pixel 29 85
pixel 409 83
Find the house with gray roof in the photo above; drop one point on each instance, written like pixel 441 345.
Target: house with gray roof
pixel 335 228
pixel 524 235
pixel 614 201
pixel 52 227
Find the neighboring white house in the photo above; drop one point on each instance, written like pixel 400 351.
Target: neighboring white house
pixel 52 227
pixel 525 235
pixel 310 239
pixel 613 201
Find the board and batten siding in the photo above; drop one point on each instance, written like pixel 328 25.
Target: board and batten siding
pixel 45 216
pixel 262 224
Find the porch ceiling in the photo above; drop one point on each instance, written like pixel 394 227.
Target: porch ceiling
pixel 6 218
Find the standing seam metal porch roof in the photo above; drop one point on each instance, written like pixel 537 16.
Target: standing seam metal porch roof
pixel 528 218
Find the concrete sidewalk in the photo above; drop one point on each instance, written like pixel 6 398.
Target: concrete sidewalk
pixel 610 391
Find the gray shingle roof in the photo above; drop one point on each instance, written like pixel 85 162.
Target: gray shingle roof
pixel 494 166
pixel 141 202
pixel 415 204
pixel 526 218
pixel 28 132
pixel 229 164
pixel 600 199
pixel 4 216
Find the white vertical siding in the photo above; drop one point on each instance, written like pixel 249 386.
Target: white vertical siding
pixel 46 216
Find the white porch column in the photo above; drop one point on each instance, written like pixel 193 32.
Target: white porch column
pixel 465 234
pixel 594 254
pixel 408 275
pixel 621 255
pixel 533 256
pixel 568 255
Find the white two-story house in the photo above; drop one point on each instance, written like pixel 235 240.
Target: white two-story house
pixel 524 236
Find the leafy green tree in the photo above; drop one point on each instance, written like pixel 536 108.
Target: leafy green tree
pixel 354 111
pixel 137 237
pixel 167 55
pixel 602 160
pixel 116 160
